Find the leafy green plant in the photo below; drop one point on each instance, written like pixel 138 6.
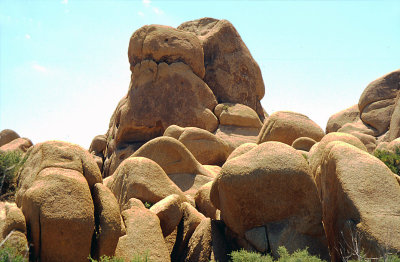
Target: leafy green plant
pixel 148 205
pixel 10 163
pixel 391 160
pixel 284 256
pixel 8 254
pixel 136 258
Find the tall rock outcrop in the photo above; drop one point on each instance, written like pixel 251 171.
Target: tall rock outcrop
pixel 178 77
pixel 230 70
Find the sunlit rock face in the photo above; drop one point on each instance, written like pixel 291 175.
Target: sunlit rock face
pixel 178 77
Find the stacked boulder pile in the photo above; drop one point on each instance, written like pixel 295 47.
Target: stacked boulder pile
pixel 192 167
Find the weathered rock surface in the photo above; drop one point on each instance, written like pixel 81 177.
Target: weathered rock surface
pixel 237 115
pixel 359 200
pixel 303 143
pixel 207 148
pixel 285 194
pixel 378 100
pixel 366 134
pixel 286 127
pixel 166 44
pixel 172 156
pixel 141 178
pixel 108 217
pixel 394 130
pixel 169 212
pixel 203 201
pixel 7 135
pixel 191 218
pixel 143 236
pixel 348 115
pixel 242 149
pixel 231 72
pixel 19 144
pixel 13 229
pixel 54 193
pixel 190 183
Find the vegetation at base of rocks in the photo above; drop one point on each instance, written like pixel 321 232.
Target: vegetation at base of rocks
pixel 284 256
pixel 10 163
pixel 299 255
pixel 391 160
pixel 137 258
pixel 8 254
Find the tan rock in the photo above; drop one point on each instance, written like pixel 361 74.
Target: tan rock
pixel 190 183
pixel 54 194
pixel 166 44
pixel 231 72
pixel 237 115
pixel 18 144
pixel 11 219
pixel 235 136
pixel 207 148
pixel 348 115
pixel 59 214
pixel 143 236
pixel 142 178
pixel 172 156
pixel 303 143
pixel 285 191
pixel 108 217
pixel 359 195
pixel 200 244
pixel 98 145
pixel 377 102
pixel 286 127
pixel 242 149
pixel 394 130
pixel 174 131
pixel 17 242
pixel 203 201
pixel 191 218
pixel 7 135
pixel 169 212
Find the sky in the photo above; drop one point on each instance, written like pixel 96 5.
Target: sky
pixel 64 63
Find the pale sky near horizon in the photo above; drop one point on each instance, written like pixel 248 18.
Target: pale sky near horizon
pixel 64 65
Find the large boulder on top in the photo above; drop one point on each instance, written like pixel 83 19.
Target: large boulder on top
pixel 54 193
pixel 348 115
pixel 231 72
pixel 377 102
pixel 141 178
pixel 359 197
pixel 7 135
pixel 286 200
pixel 166 44
pixel 286 127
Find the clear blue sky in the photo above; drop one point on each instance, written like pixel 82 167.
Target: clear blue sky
pixel 64 65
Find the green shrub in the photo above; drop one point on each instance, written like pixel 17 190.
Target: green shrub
pixel 8 254
pixel 148 205
pixel 136 258
pixel 10 163
pixel 392 160
pixel 299 255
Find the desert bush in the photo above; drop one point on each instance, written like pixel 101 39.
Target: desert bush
pixel 10 254
pixel 284 256
pixel 137 258
pixel 10 163
pixel 391 159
